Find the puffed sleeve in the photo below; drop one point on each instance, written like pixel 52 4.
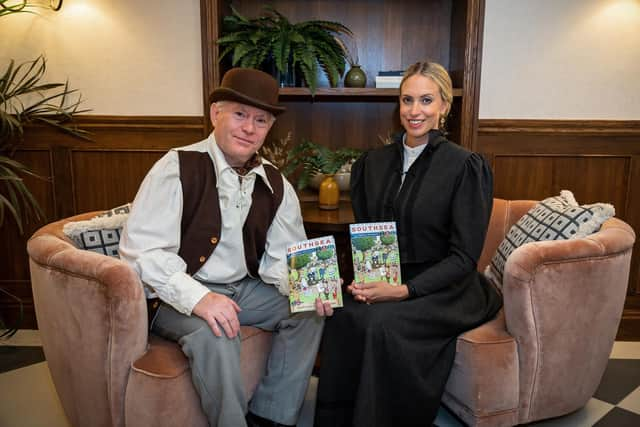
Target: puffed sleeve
pixel 471 206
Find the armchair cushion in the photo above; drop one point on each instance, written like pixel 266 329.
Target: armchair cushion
pixel 554 218
pixel 101 233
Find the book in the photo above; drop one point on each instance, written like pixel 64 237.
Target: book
pixel 375 252
pixel 388 81
pixel 313 273
pixel 391 73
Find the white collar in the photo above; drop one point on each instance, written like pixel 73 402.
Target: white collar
pixel 222 166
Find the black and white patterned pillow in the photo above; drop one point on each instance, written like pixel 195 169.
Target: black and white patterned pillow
pixel 554 218
pixel 101 233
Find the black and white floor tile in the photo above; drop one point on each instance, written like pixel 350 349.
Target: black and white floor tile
pixel 28 397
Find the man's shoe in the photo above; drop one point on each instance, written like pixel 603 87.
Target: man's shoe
pixel 254 420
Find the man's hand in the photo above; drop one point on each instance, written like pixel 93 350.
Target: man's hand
pixel 377 292
pixel 323 309
pixel 219 311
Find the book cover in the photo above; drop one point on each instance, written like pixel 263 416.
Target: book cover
pixel 313 273
pixel 375 253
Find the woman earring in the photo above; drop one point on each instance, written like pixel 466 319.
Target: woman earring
pixel 441 123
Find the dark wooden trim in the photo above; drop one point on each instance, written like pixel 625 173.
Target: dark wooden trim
pixel 210 10
pixel 579 127
pixel 472 67
pixel 89 122
pixel 355 92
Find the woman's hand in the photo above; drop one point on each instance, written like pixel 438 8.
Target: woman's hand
pixel 377 292
pixel 323 308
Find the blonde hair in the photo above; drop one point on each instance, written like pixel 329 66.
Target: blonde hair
pixel 438 74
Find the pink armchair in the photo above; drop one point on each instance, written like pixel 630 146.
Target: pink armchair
pixel 107 369
pixel 545 353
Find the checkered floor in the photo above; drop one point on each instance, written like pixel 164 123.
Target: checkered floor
pixel 25 385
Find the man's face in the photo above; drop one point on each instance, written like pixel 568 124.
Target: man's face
pixel 239 130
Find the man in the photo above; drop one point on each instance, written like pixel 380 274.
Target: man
pixel 207 233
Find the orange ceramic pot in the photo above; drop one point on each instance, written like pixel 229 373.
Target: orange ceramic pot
pixel 329 193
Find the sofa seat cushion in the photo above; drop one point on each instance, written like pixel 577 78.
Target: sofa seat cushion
pixel 165 359
pixel 483 383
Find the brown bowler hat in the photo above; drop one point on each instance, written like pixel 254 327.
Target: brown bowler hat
pixel 250 87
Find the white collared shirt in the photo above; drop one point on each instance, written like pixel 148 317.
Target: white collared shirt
pixel 410 155
pixel 151 238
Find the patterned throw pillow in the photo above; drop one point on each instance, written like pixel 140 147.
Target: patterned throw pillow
pixel 554 218
pixel 101 233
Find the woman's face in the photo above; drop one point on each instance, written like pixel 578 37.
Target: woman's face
pixel 421 106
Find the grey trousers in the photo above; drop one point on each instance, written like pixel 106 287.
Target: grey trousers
pixel 215 361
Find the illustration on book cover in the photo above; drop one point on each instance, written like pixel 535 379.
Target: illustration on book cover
pixel 374 248
pixel 313 273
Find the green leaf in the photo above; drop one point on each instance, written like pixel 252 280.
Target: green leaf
pixel 25 98
pixel 308 46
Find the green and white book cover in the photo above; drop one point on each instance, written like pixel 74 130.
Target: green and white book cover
pixel 313 273
pixel 375 253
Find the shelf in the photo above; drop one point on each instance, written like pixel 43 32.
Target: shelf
pixel 336 220
pixel 353 92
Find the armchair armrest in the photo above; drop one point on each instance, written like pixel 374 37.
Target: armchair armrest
pixel 563 301
pixel 95 303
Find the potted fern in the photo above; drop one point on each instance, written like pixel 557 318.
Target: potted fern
pixel 317 162
pixel 271 40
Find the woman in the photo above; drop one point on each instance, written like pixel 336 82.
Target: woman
pixel 387 354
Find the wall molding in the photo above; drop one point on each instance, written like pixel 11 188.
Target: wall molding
pixel 567 127
pixel 139 122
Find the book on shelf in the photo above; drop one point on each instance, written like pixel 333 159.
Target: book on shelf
pixel 375 252
pixel 388 81
pixel 391 73
pixel 313 273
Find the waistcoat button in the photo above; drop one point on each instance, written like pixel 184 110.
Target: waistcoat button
pixel 202 259
pixel 214 240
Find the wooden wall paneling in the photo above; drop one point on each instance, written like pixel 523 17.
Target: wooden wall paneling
pixel 14 263
pixel 106 179
pixel 337 124
pixel 522 177
pixel 12 244
pixel 590 178
pixel 62 182
pixel 632 215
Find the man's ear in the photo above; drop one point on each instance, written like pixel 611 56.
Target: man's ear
pixel 213 113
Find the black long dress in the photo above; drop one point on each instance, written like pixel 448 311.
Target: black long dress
pixel 386 364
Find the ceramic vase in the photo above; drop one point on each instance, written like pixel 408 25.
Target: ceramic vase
pixel 329 193
pixel 355 77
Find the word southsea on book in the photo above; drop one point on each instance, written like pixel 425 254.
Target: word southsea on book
pixel 374 248
pixel 313 273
